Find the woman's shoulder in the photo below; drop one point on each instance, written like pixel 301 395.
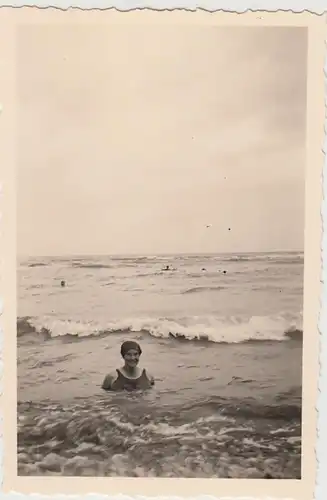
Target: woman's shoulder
pixel 150 377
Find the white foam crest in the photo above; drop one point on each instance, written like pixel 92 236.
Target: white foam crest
pixel 60 328
pixel 232 329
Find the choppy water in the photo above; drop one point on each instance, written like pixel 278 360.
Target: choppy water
pixel 221 334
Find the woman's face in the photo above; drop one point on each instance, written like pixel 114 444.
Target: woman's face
pixel 132 358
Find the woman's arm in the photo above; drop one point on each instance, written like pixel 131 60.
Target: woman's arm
pixel 107 383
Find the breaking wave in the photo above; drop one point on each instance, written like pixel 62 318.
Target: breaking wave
pixel 227 330
pixel 131 438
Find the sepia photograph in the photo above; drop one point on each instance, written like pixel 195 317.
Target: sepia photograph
pixel 161 179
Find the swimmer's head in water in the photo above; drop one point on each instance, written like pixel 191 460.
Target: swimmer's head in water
pixel 131 352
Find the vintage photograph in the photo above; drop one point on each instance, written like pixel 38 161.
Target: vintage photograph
pixel 160 240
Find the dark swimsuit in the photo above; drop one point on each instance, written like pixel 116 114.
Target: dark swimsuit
pixel 123 383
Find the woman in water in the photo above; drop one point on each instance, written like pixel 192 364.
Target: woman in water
pixel 129 377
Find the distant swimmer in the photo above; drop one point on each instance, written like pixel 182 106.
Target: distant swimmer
pixel 63 283
pixel 168 268
pixel 203 269
pixel 129 377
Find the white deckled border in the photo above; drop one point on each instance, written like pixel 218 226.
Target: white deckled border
pixel 321 445
pixel 297 6
pixel 238 6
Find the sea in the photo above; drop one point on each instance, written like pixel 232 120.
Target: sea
pixel 222 336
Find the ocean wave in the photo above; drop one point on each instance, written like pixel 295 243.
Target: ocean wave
pixel 280 259
pixel 249 408
pixel 156 272
pixel 136 258
pixel 198 289
pixel 37 264
pixel 25 327
pixel 227 330
pixel 112 437
pixel 81 265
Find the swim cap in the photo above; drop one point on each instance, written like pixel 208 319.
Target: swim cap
pixel 128 345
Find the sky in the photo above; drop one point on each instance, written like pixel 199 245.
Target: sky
pixel 133 139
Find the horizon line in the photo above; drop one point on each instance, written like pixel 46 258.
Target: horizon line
pixel 72 255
